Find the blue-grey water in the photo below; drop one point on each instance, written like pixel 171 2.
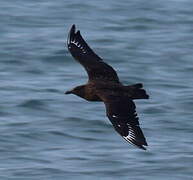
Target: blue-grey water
pixel 47 135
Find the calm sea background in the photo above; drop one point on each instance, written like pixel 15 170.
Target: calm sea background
pixel 47 135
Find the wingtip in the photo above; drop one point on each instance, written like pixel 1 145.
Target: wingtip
pixel 137 144
pixel 142 147
pixel 71 34
pixel 145 143
pixel 73 31
pixel 73 28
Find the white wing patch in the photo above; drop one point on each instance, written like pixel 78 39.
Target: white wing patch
pixel 131 136
pixel 129 140
pixel 77 44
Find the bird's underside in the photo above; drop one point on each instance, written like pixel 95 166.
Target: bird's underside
pixel 104 85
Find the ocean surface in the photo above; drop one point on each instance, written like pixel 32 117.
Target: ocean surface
pixel 47 135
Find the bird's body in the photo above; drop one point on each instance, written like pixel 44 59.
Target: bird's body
pixel 91 90
pixel 104 85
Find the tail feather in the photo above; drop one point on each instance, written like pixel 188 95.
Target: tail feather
pixel 137 92
pixel 138 85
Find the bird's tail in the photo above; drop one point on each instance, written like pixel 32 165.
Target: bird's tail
pixel 136 91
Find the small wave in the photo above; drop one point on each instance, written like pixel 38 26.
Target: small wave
pixel 33 104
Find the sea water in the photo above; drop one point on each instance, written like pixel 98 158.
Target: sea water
pixel 47 135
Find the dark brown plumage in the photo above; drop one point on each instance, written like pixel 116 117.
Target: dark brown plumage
pixel 104 85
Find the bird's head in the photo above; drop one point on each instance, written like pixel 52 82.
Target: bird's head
pixel 79 91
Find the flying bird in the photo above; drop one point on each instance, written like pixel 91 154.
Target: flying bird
pixel 104 85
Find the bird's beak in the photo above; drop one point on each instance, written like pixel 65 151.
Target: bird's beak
pixel 68 92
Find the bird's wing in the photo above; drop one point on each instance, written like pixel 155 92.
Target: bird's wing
pixel 96 68
pixel 121 112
